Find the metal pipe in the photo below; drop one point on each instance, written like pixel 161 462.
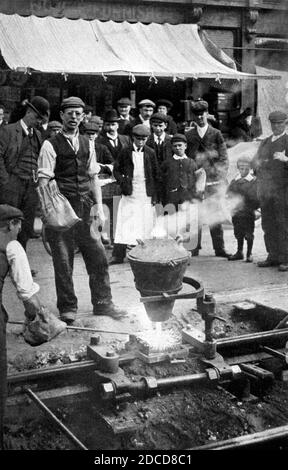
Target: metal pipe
pixel 54 371
pixel 252 338
pixel 261 437
pixel 182 380
pixel 81 328
pixel 54 418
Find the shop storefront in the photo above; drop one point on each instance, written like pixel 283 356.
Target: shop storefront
pixel 144 49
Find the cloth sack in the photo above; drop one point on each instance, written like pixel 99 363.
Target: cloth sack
pixel 43 328
pixel 56 211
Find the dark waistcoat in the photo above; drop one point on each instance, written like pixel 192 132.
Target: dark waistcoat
pixel 71 168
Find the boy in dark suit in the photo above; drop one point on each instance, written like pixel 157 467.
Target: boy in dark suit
pixel 243 188
pixel 159 141
pixel 178 174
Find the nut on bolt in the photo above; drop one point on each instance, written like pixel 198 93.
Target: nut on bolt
pixel 212 375
pixel 151 384
pixel 107 391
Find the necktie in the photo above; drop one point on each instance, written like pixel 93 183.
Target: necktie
pixel 30 131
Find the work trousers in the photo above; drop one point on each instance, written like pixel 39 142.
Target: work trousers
pixel 63 246
pixel 244 225
pixel 274 213
pixel 216 230
pixel 23 195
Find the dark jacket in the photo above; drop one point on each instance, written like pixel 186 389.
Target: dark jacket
pixel 178 180
pixel 165 149
pixel 126 126
pixel 247 190
pixel 171 126
pixel 104 157
pixel 123 142
pixel 11 137
pixel 271 173
pixel 124 168
pixel 209 153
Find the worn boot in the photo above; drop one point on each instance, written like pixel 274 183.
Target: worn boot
pixel 239 253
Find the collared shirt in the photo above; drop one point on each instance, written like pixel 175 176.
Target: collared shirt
pixel 27 130
pixel 47 157
pixel 177 157
pixel 276 137
pixel 202 130
pixel 136 149
pixel 248 177
pixel 113 139
pixel 146 122
pixel 161 138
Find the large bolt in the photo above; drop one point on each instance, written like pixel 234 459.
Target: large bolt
pixel 212 375
pixel 107 390
pixel 110 354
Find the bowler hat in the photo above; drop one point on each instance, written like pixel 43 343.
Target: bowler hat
pixel 141 130
pixel 111 116
pixel 277 116
pixel 178 138
pixel 149 103
pixel 40 105
pixel 166 103
pixel 9 212
pixel 124 102
pixel 54 125
pixel 158 117
pixel 72 102
pixel 199 106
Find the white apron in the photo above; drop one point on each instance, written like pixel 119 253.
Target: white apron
pixel 135 216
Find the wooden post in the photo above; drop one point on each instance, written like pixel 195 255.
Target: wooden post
pixel 249 20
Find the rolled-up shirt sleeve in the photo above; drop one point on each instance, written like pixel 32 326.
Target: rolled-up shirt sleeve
pixel 46 161
pixel 20 271
pixel 93 166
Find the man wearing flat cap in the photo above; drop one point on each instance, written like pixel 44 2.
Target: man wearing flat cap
pixel 163 107
pixel 70 159
pixel 207 147
pixel 159 141
pixel 271 168
pixel 20 144
pixel 110 136
pixel 40 324
pixel 146 109
pixel 137 173
pixel 126 121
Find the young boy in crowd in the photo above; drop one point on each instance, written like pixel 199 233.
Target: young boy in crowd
pixel 243 196
pixel 178 174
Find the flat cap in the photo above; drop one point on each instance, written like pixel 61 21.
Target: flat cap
pixel 72 102
pixel 146 103
pixel 90 126
pixel 141 130
pixel 277 116
pixel 96 119
pixel 166 103
pixel 178 138
pixel 9 212
pixel 199 106
pixel 158 117
pixel 54 125
pixel 111 116
pixel 124 102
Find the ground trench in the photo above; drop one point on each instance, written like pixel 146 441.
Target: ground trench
pixel 180 418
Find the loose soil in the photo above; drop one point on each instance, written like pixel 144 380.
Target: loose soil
pixel 180 419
